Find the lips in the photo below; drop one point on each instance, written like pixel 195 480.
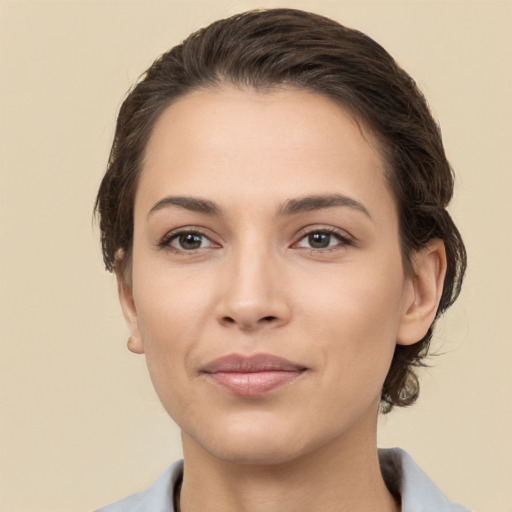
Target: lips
pixel 251 375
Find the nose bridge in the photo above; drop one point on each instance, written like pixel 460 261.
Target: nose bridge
pixel 253 292
pixel 253 269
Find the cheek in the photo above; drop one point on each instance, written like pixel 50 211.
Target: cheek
pixel 169 303
pixel 354 316
pixel 172 313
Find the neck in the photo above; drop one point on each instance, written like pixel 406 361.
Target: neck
pixel 342 475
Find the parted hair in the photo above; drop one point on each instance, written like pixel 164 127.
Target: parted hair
pixel 266 49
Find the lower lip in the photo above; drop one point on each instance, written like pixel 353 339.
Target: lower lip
pixel 253 384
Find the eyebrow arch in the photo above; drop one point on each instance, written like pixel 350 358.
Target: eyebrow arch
pixel 319 202
pixel 288 208
pixel 193 204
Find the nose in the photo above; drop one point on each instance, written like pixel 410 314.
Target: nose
pixel 253 292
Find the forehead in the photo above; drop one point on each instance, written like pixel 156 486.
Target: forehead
pixel 232 144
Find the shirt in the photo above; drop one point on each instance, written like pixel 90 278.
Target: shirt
pixel 418 493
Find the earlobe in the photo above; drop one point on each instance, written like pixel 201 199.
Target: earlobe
pixel 425 289
pixel 124 289
pixel 135 345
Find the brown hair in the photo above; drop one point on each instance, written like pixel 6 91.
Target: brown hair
pixel 269 48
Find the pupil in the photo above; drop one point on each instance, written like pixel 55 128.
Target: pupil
pixel 190 241
pixel 319 240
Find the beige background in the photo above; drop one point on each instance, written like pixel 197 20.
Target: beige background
pixel 79 423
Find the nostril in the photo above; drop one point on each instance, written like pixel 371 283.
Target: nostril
pixel 248 323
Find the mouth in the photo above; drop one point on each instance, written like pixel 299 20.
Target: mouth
pixel 252 375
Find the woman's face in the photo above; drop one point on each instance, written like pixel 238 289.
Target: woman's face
pixel 268 291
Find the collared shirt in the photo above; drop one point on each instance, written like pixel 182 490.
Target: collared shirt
pixel 417 492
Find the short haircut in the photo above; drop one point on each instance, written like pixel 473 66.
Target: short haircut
pixel 267 49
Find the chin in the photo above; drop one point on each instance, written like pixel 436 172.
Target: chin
pixel 255 453
pixel 248 443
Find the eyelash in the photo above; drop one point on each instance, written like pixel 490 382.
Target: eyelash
pixel 165 242
pixel 343 240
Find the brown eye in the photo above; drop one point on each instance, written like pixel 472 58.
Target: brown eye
pixel 189 241
pixel 319 240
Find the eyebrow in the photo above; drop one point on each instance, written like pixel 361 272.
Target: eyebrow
pixel 288 208
pixel 320 202
pixel 193 204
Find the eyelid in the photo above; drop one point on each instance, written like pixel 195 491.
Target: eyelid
pixel 344 237
pixel 165 241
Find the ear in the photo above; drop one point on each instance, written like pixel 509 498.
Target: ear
pixel 425 287
pixel 124 289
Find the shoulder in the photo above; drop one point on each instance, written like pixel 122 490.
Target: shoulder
pixel 157 498
pixel 418 493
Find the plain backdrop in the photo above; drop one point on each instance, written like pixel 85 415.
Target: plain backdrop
pixel 80 425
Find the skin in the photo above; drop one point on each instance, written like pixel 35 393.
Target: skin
pixel 255 284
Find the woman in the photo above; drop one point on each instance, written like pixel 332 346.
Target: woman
pixel 275 212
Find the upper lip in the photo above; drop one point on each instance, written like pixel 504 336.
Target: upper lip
pixel 239 363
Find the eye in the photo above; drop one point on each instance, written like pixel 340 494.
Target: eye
pixel 322 239
pixel 187 241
